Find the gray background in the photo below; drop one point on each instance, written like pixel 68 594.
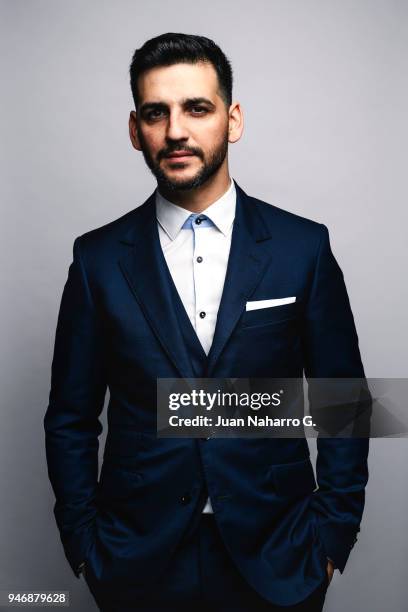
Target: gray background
pixel 324 92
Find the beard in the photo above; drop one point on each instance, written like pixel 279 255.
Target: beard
pixel 207 170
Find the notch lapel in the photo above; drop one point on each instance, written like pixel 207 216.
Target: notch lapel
pixel 150 281
pixel 249 254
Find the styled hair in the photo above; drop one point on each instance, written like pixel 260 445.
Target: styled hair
pixel 175 48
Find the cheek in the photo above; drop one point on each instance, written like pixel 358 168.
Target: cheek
pixel 152 141
pixel 214 135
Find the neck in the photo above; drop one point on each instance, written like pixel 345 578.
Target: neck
pixel 198 199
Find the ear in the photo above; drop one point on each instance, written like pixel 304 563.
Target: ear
pixel 133 131
pixel 235 122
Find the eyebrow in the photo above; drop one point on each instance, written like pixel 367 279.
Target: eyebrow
pixel 186 102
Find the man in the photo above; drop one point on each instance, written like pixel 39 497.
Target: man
pixel 162 292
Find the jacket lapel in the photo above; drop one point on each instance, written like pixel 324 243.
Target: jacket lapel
pixel 249 254
pixel 149 278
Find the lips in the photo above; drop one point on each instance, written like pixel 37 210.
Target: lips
pixel 177 154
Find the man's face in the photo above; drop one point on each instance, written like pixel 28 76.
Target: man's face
pixel 180 109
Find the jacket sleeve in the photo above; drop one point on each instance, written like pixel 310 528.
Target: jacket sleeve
pixel 331 351
pixel 72 427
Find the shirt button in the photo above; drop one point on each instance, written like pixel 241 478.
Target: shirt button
pixel 202 314
pixel 186 499
pixel 198 221
pixel 199 259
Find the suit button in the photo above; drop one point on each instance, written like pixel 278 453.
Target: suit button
pixel 186 499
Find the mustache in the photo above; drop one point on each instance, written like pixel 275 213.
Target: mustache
pixel 171 150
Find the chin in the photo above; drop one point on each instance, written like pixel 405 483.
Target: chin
pixel 181 178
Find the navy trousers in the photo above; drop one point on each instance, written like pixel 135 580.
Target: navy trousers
pixel 202 577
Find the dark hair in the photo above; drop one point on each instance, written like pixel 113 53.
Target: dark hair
pixel 175 48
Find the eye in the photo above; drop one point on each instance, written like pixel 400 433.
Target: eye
pixel 199 110
pixel 154 114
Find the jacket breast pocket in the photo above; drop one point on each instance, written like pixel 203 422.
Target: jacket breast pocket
pixel 269 316
pixel 293 479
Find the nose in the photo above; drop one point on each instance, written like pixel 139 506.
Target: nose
pixel 176 129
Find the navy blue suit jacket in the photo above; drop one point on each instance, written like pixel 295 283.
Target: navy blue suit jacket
pixel 122 325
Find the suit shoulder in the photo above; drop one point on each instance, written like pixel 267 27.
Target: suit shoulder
pixel 274 213
pixel 281 220
pixel 111 229
pixel 109 233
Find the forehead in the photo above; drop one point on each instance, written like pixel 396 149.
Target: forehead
pixel 180 81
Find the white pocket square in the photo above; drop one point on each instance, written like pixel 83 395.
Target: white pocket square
pixel 269 303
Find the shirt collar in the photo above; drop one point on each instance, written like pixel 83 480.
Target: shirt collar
pixel 221 212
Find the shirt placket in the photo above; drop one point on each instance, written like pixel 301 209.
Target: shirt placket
pixel 200 257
